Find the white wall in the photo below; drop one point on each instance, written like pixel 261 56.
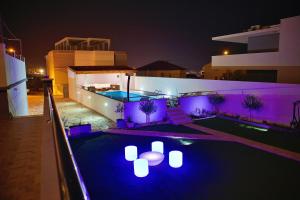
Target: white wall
pixel 248 59
pixel 99 103
pixel 289 42
pixel 13 70
pixel 277 98
pixel 174 86
pixel 94 58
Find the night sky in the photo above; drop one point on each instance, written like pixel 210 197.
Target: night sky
pixel 178 32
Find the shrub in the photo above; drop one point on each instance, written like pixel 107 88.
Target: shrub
pixel 251 102
pixel 216 100
pixel 148 107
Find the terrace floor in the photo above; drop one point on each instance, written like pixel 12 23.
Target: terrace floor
pixel 73 113
pixel 35 103
pixel 20 157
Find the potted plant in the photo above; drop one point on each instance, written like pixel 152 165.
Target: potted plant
pixel 148 107
pixel 121 123
pixel 251 103
pixel 216 100
pixel 130 123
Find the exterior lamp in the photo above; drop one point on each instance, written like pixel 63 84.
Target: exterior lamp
pixel 225 52
pixel 141 168
pixel 131 153
pixel 157 146
pixel 154 158
pixel 175 159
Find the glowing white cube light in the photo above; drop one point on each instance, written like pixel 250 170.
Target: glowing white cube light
pixel 157 146
pixel 131 153
pixel 141 168
pixel 175 159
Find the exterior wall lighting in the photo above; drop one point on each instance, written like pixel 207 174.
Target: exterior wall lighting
pixel 105 104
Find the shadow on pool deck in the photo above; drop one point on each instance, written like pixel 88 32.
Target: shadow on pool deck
pixel 211 170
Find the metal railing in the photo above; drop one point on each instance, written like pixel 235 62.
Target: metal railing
pixel 71 184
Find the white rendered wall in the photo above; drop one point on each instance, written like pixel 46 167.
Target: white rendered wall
pixel 277 98
pixel 99 103
pixel 94 58
pixel 288 54
pixel 13 70
pixel 289 41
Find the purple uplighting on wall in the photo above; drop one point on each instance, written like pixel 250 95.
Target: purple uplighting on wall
pixel 190 104
pixel 132 111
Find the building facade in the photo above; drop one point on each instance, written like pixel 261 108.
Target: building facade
pixel 73 51
pixel 273 52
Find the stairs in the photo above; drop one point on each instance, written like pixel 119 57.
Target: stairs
pixel 177 116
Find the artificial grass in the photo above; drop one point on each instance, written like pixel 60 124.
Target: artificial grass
pixel 285 140
pixel 211 170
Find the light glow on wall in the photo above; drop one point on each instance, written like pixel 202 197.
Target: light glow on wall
pixel 141 168
pixel 131 153
pixel 175 159
pixel 157 146
pixel 105 104
pixel 154 158
pixel 89 97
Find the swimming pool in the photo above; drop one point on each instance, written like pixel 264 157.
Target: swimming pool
pixel 122 96
pixel 211 170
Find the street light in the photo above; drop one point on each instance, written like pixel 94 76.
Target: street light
pixel 225 52
pixel 11 50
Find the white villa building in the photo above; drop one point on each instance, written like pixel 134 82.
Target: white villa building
pixel 75 51
pixel 273 52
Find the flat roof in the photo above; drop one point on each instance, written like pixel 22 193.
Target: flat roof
pixel 100 69
pixel 243 37
pixel 81 39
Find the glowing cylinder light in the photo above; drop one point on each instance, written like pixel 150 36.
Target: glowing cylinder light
pixel 157 146
pixel 175 159
pixel 141 168
pixel 131 153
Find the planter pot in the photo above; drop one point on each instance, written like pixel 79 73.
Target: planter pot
pixel 130 124
pixel 121 123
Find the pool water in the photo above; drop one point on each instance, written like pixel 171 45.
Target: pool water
pixel 121 95
pixel 211 170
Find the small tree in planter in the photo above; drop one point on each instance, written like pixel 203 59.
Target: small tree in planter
pixel 216 100
pixel 251 102
pixel 148 107
pixel 120 122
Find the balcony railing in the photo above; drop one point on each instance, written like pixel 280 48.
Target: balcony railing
pixel 70 181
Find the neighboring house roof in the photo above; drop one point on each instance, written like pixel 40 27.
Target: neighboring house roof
pixel 100 69
pixel 160 65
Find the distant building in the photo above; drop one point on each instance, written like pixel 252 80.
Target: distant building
pixel 74 51
pixel 273 53
pixel 161 69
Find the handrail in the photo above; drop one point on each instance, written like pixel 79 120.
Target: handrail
pixel 70 181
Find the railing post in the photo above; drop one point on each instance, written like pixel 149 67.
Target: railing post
pixel 47 84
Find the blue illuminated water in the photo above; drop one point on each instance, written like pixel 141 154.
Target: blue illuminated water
pixel 121 95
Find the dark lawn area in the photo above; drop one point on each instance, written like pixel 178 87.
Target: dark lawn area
pixel 212 170
pixel 285 140
pixel 170 128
